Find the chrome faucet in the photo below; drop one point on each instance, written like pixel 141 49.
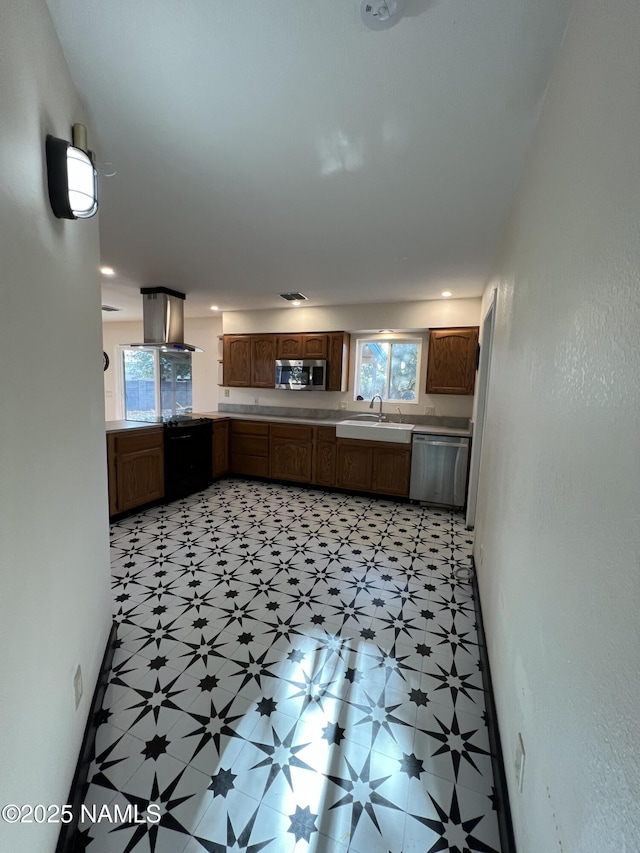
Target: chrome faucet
pixel 377 396
pixel 399 413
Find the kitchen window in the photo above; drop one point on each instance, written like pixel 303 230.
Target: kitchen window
pixel 156 384
pixel 388 368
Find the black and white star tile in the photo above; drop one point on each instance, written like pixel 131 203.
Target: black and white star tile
pixel 296 670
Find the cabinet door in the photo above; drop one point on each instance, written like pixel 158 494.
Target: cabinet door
pixel 353 465
pixel 290 460
pixel 263 361
pixel 391 466
pixel 220 453
pixel 451 364
pixel 325 468
pixel 111 474
pixel 236 360
pixel 140 477
pixel 314 346
pixel 289 346
pixel 338 362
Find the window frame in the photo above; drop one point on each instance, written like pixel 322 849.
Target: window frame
pixel 157 382
pixel 361 341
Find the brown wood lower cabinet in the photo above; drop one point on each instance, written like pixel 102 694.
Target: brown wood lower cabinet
pixel 249 448
pixel 373 466
pixel 325 456
pixel 307 454
pixel 220 455
pixel 391 470
pixel 136 468
pixel 354 460
pixel 291 452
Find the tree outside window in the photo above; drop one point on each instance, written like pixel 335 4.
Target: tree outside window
pixel 388 368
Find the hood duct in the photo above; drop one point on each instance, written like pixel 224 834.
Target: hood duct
pixel 163 320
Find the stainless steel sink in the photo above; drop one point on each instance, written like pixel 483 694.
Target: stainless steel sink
pixel 378 431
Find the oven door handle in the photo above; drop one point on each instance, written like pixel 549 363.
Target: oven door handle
pixel 179 437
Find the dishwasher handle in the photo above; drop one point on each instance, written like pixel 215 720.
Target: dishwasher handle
pixel 444 444
pixel 426 440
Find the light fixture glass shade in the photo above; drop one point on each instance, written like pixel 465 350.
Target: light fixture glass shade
pixel 72 180
pixel 81 177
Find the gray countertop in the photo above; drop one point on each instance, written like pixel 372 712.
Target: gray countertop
pixel 121 426
pixel 422 429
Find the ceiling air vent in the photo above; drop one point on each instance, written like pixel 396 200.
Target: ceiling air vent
pixel 109 308
pixel 294 297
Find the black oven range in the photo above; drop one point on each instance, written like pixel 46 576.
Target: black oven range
pixel 187 455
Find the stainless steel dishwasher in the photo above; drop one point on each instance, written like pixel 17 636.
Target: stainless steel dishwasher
pixel 439 469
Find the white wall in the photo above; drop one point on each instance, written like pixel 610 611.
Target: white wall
pixel 406 316
pixel 350 318
pixel 203 333
pixel 54 566
pixel 559 519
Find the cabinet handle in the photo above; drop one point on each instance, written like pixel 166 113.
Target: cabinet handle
pixel 443 444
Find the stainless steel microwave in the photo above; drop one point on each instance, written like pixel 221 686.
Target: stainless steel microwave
pixel 298 374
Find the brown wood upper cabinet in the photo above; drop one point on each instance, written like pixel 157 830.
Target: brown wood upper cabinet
pixel 337 361
pixel 263 361
pixel 236 360
pixel 451 362
pixel 301 346
pixel 249 361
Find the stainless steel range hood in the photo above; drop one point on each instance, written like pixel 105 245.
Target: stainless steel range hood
pixel 163 320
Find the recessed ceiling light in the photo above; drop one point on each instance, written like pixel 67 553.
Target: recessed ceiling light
pixel 214 308
pixel 107 271
pixel 446 293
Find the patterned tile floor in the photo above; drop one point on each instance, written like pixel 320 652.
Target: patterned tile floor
pixel 296 670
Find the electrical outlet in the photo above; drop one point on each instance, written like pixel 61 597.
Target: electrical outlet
pixel 429 410
pixel 342 405
pixel 77 685
pixel 518 762
pixel 226 392
pixel 256 401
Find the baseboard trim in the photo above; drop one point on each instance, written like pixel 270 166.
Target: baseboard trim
pixel 505 825
pixel 67 837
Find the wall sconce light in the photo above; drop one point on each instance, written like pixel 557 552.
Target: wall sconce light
pixel 72 178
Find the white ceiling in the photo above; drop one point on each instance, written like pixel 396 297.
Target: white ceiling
pixel 262 147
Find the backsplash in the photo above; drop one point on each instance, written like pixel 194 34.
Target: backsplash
pixel 336 414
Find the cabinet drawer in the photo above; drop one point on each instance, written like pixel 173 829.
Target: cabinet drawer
pixel 295 431
pixel 326 433
pixel 249 428
pixel 256 466
pixel 253 445
pixel 132 442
